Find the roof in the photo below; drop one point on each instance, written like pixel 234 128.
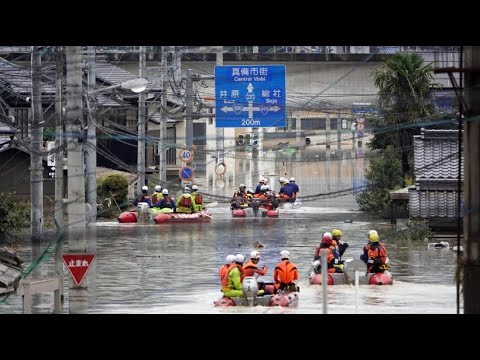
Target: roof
pixel 19 80
pixel 111 74
pixel 436 155
pixel 433 204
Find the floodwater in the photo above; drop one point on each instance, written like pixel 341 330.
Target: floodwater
pixel 173 268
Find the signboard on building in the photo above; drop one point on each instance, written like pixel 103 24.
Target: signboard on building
pixel 250 96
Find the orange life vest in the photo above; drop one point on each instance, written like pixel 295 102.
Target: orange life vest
pixel 285 272
pixel 250 269
pixel 377 253
pixel 224 280
pixel 223 272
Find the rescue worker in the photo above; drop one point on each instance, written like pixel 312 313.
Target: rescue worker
pixel 364 254
pixel 250 268
pixel 186 202
pixel 198 198
pixel 232 283
pixel 286 192
pixel 296 190
pixel 157 195
pixel 258 189
pixel 334 264
pixel 240 199
pixel 143 197
pixel 166 201
pixel 336 235
pixel 285 274
pixel 376 254
pixel 223 271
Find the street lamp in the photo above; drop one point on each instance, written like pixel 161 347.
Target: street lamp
pixel 136 85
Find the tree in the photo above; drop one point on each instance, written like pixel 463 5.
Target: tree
pixel 383 175
pixel 404 97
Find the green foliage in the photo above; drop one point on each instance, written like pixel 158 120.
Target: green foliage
pixel 383 175
pixel 409 181
pixel 111 191
pixel 417 230
pixel 14 215
pixel 404 97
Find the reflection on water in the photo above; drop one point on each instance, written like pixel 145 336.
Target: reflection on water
pixel 173 268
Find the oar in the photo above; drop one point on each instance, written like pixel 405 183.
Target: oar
pixel 212 204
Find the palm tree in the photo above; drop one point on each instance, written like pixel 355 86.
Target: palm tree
pixel 404 84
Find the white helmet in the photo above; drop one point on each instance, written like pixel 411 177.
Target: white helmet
pixel 144 188
pixel 265 180
pixel 239 258
pixel 282 179
pixel 158 188
pixel 254 255
pixel 194 187
pixel 264 188
pixel 292 179
pixel 230 258
pixel 187 189
pixel 285 254
pixel 242 186
pixel 165 191
pixel 268 187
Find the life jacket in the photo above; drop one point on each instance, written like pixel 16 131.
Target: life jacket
pixel 378 253
pixel 198 199
pixel 249 269
pixel 142 198
pixel 223 272
pixel 224 280
pixel 330 256
pixel 186 201
pixel 285 272
pixel 155 197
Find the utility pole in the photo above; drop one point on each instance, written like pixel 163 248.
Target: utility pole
pixel 471 225
pixel 91 148
pixel 189 109
pixel 59 184
pixel 162 162
pixel 76 187
pixel 36 164
pixel 141 125
pixel 220 131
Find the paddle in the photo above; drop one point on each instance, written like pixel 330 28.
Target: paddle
pixel 212 204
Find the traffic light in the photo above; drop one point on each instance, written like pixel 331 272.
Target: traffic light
pixel 241 140
pixel 254 140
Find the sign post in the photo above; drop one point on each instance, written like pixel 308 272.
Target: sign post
pixel 78 265
pixel 250 96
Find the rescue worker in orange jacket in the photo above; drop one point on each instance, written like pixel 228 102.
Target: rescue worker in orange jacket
pixel 223 271
pixel 232 283
pixel 240 198
pixel 334 264
pixel 250 267
pixel 285 274
pixel 375 254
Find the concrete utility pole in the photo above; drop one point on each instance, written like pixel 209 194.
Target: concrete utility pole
pixel 162 162
pixel 91 146
pixel 141 125
pixel 220 131
pixel 76 187
pixel 189 109
pixel 36 164
pixel 471 223
pixel 59 184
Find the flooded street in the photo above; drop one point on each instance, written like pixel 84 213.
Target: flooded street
pixel 173 268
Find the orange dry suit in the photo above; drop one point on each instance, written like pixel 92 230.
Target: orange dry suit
pixel 250 269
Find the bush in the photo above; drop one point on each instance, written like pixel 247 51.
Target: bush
pixel 111 191
pixel 383 175
pixel 416 230
pixel 14 215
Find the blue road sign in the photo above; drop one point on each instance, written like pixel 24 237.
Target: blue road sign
pixel 250 96
pixel 186 173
